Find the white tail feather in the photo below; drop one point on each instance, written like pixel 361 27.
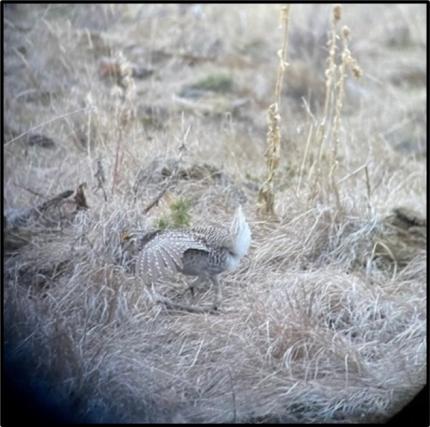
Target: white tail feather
pixel 241 234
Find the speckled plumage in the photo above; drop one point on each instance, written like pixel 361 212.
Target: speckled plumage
pixel 202 251
pixel 197 252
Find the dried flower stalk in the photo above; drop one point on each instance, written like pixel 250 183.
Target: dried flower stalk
pixel 266 195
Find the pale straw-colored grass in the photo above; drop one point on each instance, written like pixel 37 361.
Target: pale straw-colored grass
pixel 324 321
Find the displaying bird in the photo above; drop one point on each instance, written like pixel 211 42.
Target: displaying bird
pixel 201 251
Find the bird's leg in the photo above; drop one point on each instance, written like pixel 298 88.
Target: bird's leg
pixel 217 292
pixel 192 285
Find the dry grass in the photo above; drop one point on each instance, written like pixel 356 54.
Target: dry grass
pixel 325 321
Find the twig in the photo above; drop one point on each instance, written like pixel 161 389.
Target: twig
pixel 160 194
pixel 55 200
pixel 45 123
pixel 35 193
pixel 182 148
pixel 369 191
pixel 352 173
pixel 115 168
pixel 28 67
pixel 234 396
pixel 101 179
pixel 305 156
pixel 185 307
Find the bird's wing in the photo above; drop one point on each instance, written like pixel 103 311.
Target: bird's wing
pixel 214 236
pixel 163 254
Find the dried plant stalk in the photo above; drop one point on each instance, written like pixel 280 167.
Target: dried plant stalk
pixel 125 110
pixel 340 91
pixel 125 77
pixel 283 64
pixel 330 78
pixel 305 156
pixel 326 163
pixel 266 195
pixel 347 62
pixel 330 72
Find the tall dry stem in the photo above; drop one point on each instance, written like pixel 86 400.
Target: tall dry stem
pixel 330 78
pixel 324 183
pixel 266 195
pixel 125 111
pixel 347 62
pixel 283 64
pixel 330 72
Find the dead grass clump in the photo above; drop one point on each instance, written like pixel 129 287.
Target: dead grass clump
pixel 336 325
pixel 402 236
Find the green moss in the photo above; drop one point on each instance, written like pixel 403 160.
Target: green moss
pixel 215 83
pixel 179 216
pixel 163 223
pixel 179 213
pixel 251 177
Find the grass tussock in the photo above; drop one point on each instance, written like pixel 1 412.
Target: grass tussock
pixel 325 319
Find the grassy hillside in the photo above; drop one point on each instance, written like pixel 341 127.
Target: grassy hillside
pixel 123 118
